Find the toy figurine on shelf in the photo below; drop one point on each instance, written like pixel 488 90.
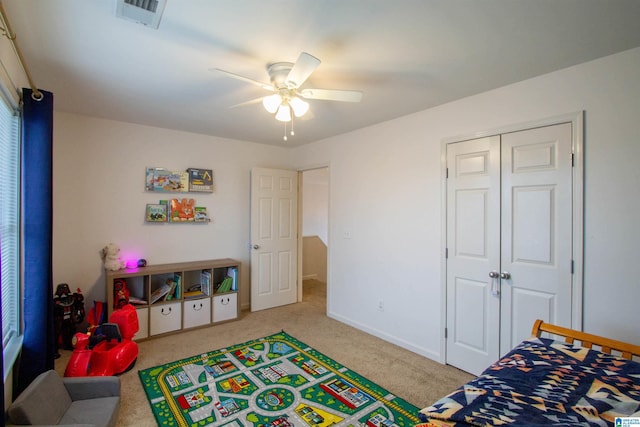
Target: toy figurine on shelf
pixel 68 312
pixel 120 293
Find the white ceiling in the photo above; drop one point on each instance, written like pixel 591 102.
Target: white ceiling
pixel 405 55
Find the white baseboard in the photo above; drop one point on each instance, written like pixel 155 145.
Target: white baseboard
pixel 430 354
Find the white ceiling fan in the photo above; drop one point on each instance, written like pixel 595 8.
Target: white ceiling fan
pixel 286 81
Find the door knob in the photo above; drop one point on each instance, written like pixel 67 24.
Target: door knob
pixel 505 275
pixel 494 274
pixel 256 246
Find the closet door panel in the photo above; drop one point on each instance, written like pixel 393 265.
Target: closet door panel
pixel 473 230
pixel 536 230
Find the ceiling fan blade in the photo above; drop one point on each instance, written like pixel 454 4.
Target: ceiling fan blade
pixel 302 69
pixel 250 102
pixel 265 86
pixel 332 95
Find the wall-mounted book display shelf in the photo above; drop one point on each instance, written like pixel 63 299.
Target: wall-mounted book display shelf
pixel 193 180
pixel 177 209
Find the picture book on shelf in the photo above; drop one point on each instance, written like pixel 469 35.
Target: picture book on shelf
pixel 200 180
pixel 200 214
pixel 182 210
pixel 164 180
pixel 156 213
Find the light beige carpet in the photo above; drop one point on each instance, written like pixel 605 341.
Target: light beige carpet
pixel 416 379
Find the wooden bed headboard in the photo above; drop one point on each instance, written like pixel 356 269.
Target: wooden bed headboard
pixel 606 345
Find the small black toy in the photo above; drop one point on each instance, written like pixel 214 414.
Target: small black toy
pixel 68 312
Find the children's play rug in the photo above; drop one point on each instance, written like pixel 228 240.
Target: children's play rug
pixel 272 381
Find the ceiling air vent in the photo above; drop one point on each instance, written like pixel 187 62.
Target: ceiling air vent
pixel 145 12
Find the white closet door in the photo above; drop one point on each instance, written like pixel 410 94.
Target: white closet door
pixel 509 241
pixel 536 231
pixel 473 246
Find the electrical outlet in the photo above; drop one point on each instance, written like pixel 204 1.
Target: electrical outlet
pixel 380 305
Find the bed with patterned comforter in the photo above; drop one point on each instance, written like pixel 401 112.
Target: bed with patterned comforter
pixel 543 382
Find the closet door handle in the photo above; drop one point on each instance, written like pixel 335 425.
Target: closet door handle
pixel 505 275
pixel 495 286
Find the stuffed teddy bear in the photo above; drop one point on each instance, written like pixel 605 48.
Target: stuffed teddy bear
pixel 110 256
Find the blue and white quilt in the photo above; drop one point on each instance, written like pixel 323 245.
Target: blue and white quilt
pixel 543 382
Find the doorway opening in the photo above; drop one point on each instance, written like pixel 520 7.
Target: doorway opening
pixel 314 219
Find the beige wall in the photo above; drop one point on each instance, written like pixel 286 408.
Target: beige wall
pixel 314 258
pixel 99 197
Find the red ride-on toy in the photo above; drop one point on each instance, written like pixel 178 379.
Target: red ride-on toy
pixel 109 350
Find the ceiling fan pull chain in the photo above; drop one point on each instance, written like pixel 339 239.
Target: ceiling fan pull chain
pixel 285 131
pixel 292 132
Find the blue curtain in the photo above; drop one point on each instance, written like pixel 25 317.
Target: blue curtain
pixel 38 347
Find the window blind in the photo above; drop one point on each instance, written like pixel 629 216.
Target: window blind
pixel 10 232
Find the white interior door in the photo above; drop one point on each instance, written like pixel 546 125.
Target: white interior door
pixel 509 241
pixel 473 246
pixel 274 229
pixel 536 231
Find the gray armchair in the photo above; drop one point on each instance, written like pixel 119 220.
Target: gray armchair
pixel 78 401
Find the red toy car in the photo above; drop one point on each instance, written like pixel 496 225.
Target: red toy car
pixel 110 350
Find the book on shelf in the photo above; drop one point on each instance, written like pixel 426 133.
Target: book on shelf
pixel 164 180
pixel 200 214
pixel 181 210
pixel 193 294
pixel 178 279
pixel 174 292
pixel 233 273
pixel 200 180
pixel 225 285
pixel 160 292
pixel 172 288
pixel 194 291
pixel 149 177
pixel 205 282
pixel 137 301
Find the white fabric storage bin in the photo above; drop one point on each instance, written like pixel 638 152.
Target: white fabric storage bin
pixel 197 312
pixel 165 318
pixel 225 307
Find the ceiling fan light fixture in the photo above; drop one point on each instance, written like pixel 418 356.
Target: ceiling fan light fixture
pixel 286 79
pixel 284 113
pixel 299 106
pixel 272 102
